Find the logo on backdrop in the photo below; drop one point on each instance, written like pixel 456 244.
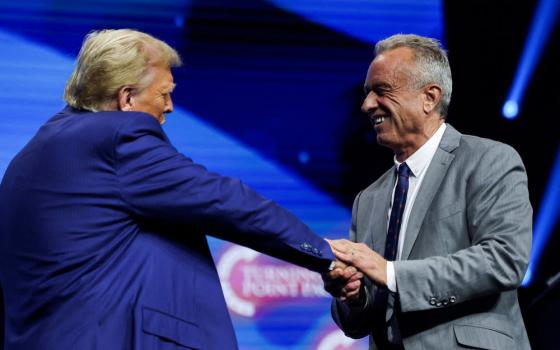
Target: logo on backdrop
pixel 251 279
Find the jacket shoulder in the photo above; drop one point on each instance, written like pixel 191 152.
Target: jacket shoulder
pixel 485 150
pixel 104 127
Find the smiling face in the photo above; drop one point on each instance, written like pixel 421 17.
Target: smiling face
pixel 401 114
pixel 155 99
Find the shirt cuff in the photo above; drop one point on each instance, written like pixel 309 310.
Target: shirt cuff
pixel 391 279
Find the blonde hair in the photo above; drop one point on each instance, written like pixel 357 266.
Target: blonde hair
pixel 111 59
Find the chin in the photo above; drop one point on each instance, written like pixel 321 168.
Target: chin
pixel 384 141
pixel 381 137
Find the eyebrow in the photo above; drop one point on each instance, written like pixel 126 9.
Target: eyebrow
pixel 368 88
pixel 170 88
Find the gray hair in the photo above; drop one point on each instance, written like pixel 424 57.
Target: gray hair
pixel 432 65
pixel 111 59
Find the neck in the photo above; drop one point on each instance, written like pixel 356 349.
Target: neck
pixel 418 140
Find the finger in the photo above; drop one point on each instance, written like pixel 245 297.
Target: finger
pixel 352 286
pixel 340 265
pixel 346 257
pixel 350 289
pixel 349 250
pixel 336 273
pixel 357 276
pixel 341 244
pixel 349 272
pixel 353 295
pixel 339 271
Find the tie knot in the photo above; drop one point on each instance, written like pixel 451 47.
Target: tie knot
pixel 404 170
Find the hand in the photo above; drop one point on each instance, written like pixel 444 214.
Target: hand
pixel 343 282
pixel 363 258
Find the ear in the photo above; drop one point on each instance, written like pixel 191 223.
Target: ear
pixel 125 99
pixel 432 96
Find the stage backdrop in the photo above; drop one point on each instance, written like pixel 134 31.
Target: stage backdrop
pixel 269 93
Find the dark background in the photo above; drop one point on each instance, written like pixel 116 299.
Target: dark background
pixel 485 41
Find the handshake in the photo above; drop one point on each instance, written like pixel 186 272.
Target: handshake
pixel 354 262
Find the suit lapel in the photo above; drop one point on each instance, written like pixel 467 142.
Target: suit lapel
pixel 380 209
pixel 430 186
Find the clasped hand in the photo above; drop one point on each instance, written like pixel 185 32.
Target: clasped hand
pixel 354 261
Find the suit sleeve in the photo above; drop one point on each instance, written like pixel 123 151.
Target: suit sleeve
pixel 355 319
pixel 159 184
pixel 499 218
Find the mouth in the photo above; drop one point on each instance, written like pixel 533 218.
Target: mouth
pixel 377 120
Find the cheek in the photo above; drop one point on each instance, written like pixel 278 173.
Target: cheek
pixel 161 102
pixel 386 105
pixel 391 103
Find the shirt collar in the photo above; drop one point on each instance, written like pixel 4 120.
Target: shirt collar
pixel 420 159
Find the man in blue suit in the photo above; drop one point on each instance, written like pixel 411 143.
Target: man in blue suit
pixel 103 222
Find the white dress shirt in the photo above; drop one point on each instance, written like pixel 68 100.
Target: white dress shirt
pixel 418 163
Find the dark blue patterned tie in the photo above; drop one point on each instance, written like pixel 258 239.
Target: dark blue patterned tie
pixel 397 210
pixel 382 297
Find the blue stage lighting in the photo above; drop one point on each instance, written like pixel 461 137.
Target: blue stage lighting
pixel 304 157
pixel 543 20
pixel 370 21
pixel 546 219
pixel 510 109
pixel 179 21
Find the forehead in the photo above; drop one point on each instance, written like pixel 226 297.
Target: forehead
pixel 392 64
pixel 164 75
pixel 159 76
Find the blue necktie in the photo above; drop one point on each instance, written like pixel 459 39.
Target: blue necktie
pixel 397 210
pixel 382 297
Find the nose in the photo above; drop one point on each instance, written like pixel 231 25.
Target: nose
pixel 370 103
pixel 168 105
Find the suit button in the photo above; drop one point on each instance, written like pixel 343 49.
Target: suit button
pixel 445 302
pixel 452 299
pixel 432 301
pixel 438 304
pixel 315 251
pixel 305 246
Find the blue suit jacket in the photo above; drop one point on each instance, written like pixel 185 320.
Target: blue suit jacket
pixel 102 238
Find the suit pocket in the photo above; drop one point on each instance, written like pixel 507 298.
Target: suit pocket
pixel 480 337
pixel 171 328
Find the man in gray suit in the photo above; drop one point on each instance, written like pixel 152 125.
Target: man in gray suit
pixel 443 237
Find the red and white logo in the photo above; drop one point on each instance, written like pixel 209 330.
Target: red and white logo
pixel 250 279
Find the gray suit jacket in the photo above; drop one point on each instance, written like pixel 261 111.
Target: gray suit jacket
pixel 466 250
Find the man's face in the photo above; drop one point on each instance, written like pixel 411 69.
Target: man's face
pixel 155 99
pixel 393 106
